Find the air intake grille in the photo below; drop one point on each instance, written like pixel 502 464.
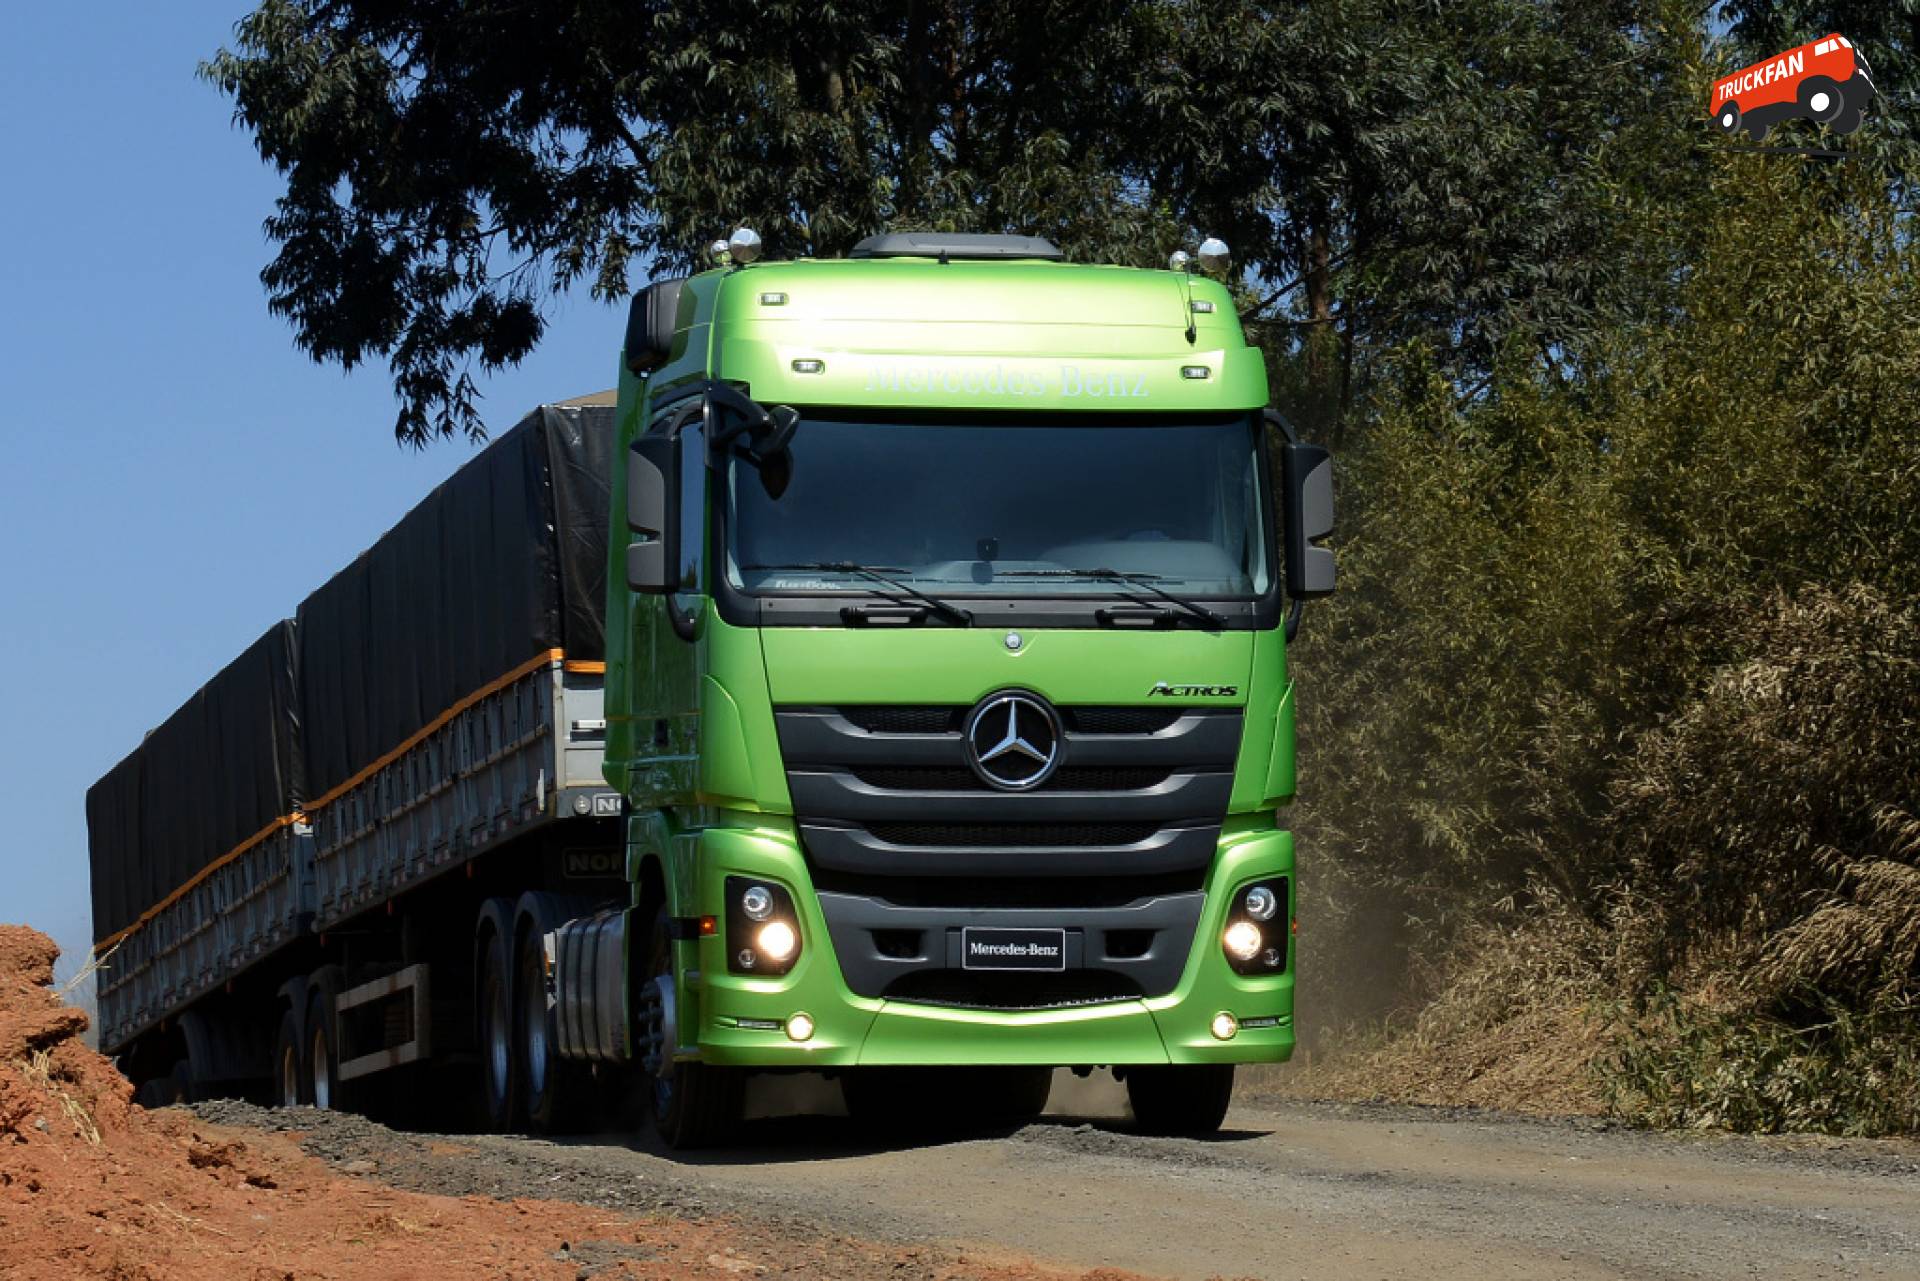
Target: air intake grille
pixel 979 990
pixel 1119 720
pixel 906 720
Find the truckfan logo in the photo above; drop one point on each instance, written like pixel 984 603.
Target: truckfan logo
pixel 1827 82
pixel 1013 741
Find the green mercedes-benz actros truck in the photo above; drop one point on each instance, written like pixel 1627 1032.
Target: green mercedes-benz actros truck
pixel 890 683
pixel 946 683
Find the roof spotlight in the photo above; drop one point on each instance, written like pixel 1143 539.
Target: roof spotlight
pixel 744 245
pixel 1179 261
pixel 719 252
pixel 1214 257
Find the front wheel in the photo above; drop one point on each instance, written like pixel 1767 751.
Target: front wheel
pixel 1728 119
pixel 1188 1099
pixel 693 1105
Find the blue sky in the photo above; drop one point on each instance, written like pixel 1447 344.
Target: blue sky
pixel 175 475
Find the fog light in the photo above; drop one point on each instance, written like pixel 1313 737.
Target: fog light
pixel 1243 940
pixel 800 1027
pixel 1262 903
pixel 757 902
pixel 1225 1026
pixel 746 960
pixel 776 941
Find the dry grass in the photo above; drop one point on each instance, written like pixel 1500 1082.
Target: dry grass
pixel 1513 1022
pixel 37 1068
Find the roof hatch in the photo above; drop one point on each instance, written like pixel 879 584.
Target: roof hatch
pixel 955 244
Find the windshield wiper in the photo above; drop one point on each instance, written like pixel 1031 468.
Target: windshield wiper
pixel 1145 582
pixel 879 574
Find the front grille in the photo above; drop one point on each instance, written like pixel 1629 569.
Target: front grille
pixel 887 789
pixel 989 990
pixel 991 893
pixel 1013 835
pixel 915 778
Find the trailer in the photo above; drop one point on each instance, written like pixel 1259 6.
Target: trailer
pixel 275 868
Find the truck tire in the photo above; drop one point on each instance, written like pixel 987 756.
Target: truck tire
pixel 1822 99
pixel 323 1053
pixel 558 1093
pixel 1185 1099
pixel 177 1088
pixel 1728 119
pixel 499 1062
pixel 1855 93
pixel 292 1081
pixel 693 1105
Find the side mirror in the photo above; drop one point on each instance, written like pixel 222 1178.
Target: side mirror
pixel 653 494
pixel 650 320
pixel 1307 472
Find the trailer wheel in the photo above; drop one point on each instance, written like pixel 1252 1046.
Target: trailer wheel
pixel 1821 99
pixel 292 1084
pixel 693 1105
pixel 500 1069
pixel 1185 1099
pixel 177 1089
pixel 1729 118
pixel 323 1053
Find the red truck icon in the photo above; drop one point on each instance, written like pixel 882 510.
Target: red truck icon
pixel 1827 81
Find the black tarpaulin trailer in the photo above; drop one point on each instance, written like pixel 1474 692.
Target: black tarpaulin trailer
pixel 437 696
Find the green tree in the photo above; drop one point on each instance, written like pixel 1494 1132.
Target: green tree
pixel 1381 166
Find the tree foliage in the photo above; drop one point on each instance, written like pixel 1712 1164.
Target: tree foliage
pixel 1382 167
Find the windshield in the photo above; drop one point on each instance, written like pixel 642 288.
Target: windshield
pixel 1008 508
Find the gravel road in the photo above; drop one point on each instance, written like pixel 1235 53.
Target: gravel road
pixel 1289 1190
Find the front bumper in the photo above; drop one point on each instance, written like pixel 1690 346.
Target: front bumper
pixel 739 1019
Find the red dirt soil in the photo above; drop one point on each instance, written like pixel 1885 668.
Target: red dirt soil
pixel 93 1186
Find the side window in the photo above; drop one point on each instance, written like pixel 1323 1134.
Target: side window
pixel 693 508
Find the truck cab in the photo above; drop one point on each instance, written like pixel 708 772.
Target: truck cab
pixel 946 683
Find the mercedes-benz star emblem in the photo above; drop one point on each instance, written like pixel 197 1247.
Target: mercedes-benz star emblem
pixel 1013 741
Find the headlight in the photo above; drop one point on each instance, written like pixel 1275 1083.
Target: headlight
pixel 763 929
pixel 1243 940
pixel 776 941
pixel 1255 938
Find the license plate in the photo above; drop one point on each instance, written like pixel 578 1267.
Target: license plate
pixel 1000 949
